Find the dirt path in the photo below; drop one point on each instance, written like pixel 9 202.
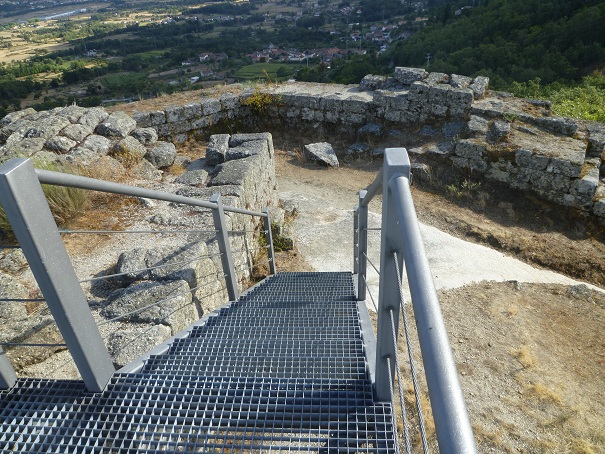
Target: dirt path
pixel 530 355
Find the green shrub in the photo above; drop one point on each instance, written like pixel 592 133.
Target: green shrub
pixel 584 101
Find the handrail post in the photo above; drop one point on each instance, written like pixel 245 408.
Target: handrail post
pixel 396 163
pixel 356 242
pixel 34 227
pixel 222 235
pixel 8 377
pixel 269 240
pixel 362 247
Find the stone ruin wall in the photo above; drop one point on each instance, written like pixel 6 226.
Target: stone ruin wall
pixel 504 139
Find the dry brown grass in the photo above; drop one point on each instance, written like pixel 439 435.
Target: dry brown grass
pixel 524 355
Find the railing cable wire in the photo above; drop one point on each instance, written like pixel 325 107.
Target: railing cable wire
pixel 404 418
pixel 395 433
pixel 411 357
pixel 157 303
pixel 370 262
pixel 149 268
pixel 370 292
pixel 109 232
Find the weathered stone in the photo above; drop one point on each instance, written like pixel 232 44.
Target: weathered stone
pixel 453 129
pixel 146 136
pixel 460 102
pixel 596 140
pixel 233 172
pixel 561 125
pixel 371 130
pixel 126 345
pixel 229 101
pixel 18 115
pixel 408 76
pixel 106 168
pixel 479 86
pixel 168 303
pixel 79 156
pixel 193 178
pixel 60 144
pixel 250 148
pixel 77 132
pixel 128 151
pixel 239 139
pixel 25 147
pixel 470 149
pixel 321 152
pixel 92 117
pixel 13 261
pixel 598 208
pixel 12 289
pixel 131 267
pixel 216 151
pixel 192 110
pixel 525 158
pixel 118 124
pixel 145 170
pixel 99 144
pixel 372 82
pixel 477 125
pixel 184 263
pixel 358 148
pixel 161 154
pixel 46 127
pixel 210 106
pixel 498 131
pixel 428 131
pixel 458 81
pixel 437 78
pixel 72 113
pixel 175 114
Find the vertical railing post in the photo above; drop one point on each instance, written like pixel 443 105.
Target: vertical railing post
pixel 356 243
pixel 8 377
pixel 222 235
pixel 269 240
pixel 396 163
pixel 34 227
pixel 363 247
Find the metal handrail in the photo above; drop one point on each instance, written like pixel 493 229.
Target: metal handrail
pixel 76 181
pixel 401 234
pixel 34 227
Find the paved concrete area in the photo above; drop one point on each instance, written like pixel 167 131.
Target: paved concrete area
pixel 324 235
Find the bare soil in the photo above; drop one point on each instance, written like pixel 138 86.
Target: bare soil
pixel 530 356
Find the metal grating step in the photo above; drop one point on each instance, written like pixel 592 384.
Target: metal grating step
pixel 279 367
pixel 260 347
pixel 280 370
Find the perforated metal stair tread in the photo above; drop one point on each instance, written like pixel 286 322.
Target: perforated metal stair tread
pixel 282 369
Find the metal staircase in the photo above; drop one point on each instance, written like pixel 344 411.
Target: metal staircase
pixel 282 369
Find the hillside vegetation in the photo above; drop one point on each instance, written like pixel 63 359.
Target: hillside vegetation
pixel 511 40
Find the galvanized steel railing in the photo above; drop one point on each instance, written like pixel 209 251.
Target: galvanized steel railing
pixel 34 227
pixel 401 244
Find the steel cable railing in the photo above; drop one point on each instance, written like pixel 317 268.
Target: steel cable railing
pixel 31 220
pixel 404 419
pixel 401 245
pixel 406 330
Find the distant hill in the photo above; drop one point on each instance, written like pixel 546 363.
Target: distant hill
pixel 510 40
